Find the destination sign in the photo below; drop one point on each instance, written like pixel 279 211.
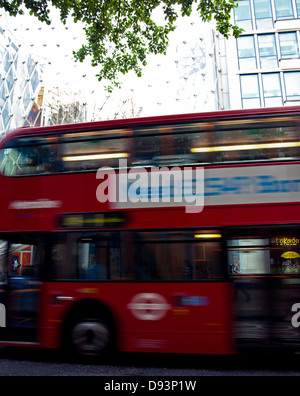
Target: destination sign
pixel 92 220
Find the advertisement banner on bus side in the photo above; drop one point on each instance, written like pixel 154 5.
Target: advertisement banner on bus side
pixel 252 185
pixel 197 188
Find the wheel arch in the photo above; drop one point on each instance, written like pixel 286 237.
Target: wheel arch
pixel 89 308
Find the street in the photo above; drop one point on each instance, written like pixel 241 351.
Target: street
pixel 34 362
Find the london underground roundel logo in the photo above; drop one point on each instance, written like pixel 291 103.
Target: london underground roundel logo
pixel 149 306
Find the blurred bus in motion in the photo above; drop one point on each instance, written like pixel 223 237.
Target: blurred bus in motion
pixel 150 275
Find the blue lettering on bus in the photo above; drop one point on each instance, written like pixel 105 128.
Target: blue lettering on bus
pixel 213 186
pixel 216 186
pixel 228 185
pixel 195 301
pixel 265 184
pixel 262 184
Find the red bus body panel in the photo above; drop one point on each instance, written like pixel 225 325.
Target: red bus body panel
pixel 64 192
pixel 187 317
pixel 203 326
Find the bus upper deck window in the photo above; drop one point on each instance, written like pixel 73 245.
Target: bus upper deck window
pixel 30 160
pixel 9 162
pixel 146 149
pixel 93 154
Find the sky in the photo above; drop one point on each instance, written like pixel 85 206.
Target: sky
pixel 180 82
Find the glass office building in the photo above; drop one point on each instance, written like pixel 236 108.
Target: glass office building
pixel 20 78
pixel 267 64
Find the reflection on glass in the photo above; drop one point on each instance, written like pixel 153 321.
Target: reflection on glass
pixel 246 52
pixel 267 51
pixel 250 91
pixel 292 85
pixel 272 89
pixel 243 15
pixel 284 9
pixel 298 8
pixel 263 14
pixel 288 45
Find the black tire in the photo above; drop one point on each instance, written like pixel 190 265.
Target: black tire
pixel 90 339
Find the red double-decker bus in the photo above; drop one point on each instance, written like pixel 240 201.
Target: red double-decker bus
pixel 145 273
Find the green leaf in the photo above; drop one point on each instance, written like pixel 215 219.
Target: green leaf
pixel 122 33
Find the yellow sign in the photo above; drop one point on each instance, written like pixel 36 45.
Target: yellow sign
pixel 287 241
pixel 290 255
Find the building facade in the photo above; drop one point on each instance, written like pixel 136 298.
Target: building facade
pixel 265 68
pixel 20 80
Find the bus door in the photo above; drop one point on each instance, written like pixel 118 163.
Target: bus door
pixel 180 302
pixel 20 257
pixel 265 267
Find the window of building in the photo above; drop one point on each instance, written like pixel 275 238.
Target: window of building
pixel 272 89
pixel 298 8
pixel 267 51
pixel 284 9
pixel 292 85
pixel 288 45
pixel 6 112
pixel 250 91
pixel 243 15
pixel 246 52
pixel 263 14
